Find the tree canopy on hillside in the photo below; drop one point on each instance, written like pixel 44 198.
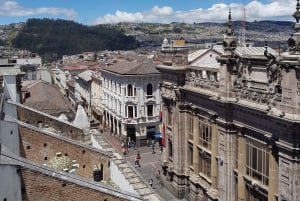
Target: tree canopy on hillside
pixel 53 38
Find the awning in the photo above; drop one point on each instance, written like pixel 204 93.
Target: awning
pixel 158 135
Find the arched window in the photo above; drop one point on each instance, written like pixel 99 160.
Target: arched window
pixel 129 90
pixel 149 89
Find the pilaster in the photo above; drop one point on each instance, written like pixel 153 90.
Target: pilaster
pixel 214 151
pixel 241 167
pixel 273 177
pixel 196 142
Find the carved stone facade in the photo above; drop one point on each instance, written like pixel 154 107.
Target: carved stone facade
pixel 238 138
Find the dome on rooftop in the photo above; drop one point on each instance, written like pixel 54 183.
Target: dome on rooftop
pixel 165 43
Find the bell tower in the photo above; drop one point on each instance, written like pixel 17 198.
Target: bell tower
pixel 227 61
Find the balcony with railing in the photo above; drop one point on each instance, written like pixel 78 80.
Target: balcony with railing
pixel 143 119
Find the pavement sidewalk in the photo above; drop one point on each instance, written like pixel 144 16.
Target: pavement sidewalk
pixel 150 164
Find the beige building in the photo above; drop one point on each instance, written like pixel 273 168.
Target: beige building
pixel 232 134
pixel 96 96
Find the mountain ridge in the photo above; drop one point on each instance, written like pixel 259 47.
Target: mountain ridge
pixel 42 35
pixel 54 38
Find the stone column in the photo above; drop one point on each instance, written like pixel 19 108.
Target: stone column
pixel 273 177
pixel 165 127
pixel 214 152
pixel 113 125
pixel 241 167
pixel 118 129
pixel 196 131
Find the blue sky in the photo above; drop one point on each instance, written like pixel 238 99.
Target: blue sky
pixel 92 12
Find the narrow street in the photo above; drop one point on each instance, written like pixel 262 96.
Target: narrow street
pixel 150 164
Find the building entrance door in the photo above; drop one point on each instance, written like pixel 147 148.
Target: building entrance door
pixel 131 134
pixel 150 135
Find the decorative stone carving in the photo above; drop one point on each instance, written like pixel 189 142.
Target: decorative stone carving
pixel 242 74
pixel 195 78
pixel 273 70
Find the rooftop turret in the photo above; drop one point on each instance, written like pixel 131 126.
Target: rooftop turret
pixel 229 42
pixel 294 40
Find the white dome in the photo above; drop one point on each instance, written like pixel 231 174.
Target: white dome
pixel 165 43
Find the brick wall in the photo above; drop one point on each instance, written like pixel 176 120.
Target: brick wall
pixel 36 118
pixel 42 187
pixel 41 147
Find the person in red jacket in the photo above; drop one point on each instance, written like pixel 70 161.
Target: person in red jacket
pixel 137 162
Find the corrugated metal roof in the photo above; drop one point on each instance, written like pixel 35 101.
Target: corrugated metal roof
pixel 198 53
pixel 253 51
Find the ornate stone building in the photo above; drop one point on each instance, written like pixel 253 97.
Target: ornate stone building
pixel 236 137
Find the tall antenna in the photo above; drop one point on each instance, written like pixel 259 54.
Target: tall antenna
pixel 243 42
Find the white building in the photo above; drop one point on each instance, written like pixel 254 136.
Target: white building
pixel 131 100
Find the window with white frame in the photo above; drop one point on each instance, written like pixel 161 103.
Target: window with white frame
pixel 190 125
pixel 257 160
pixel 129 90
pixel 204 164
pixel 135 111
pixel 205 135
pixel 130 111
pixel 150 110
pixel 149 89
pixel 190 155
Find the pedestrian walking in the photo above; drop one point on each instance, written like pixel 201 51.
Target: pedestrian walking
pixel 153 152
pixel 151 182
pixel 124 151
pixel 138 155
pixel 161 149
pixel 126 147
pixel 134 145
pixel 158 174
pixel 123 148
pixel 137 161
pixel 129 142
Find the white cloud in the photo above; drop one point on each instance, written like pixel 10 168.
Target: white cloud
pixel 162 11
pixel 120 17
pixel 150 16
pixel 255 10
pixel 12 8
